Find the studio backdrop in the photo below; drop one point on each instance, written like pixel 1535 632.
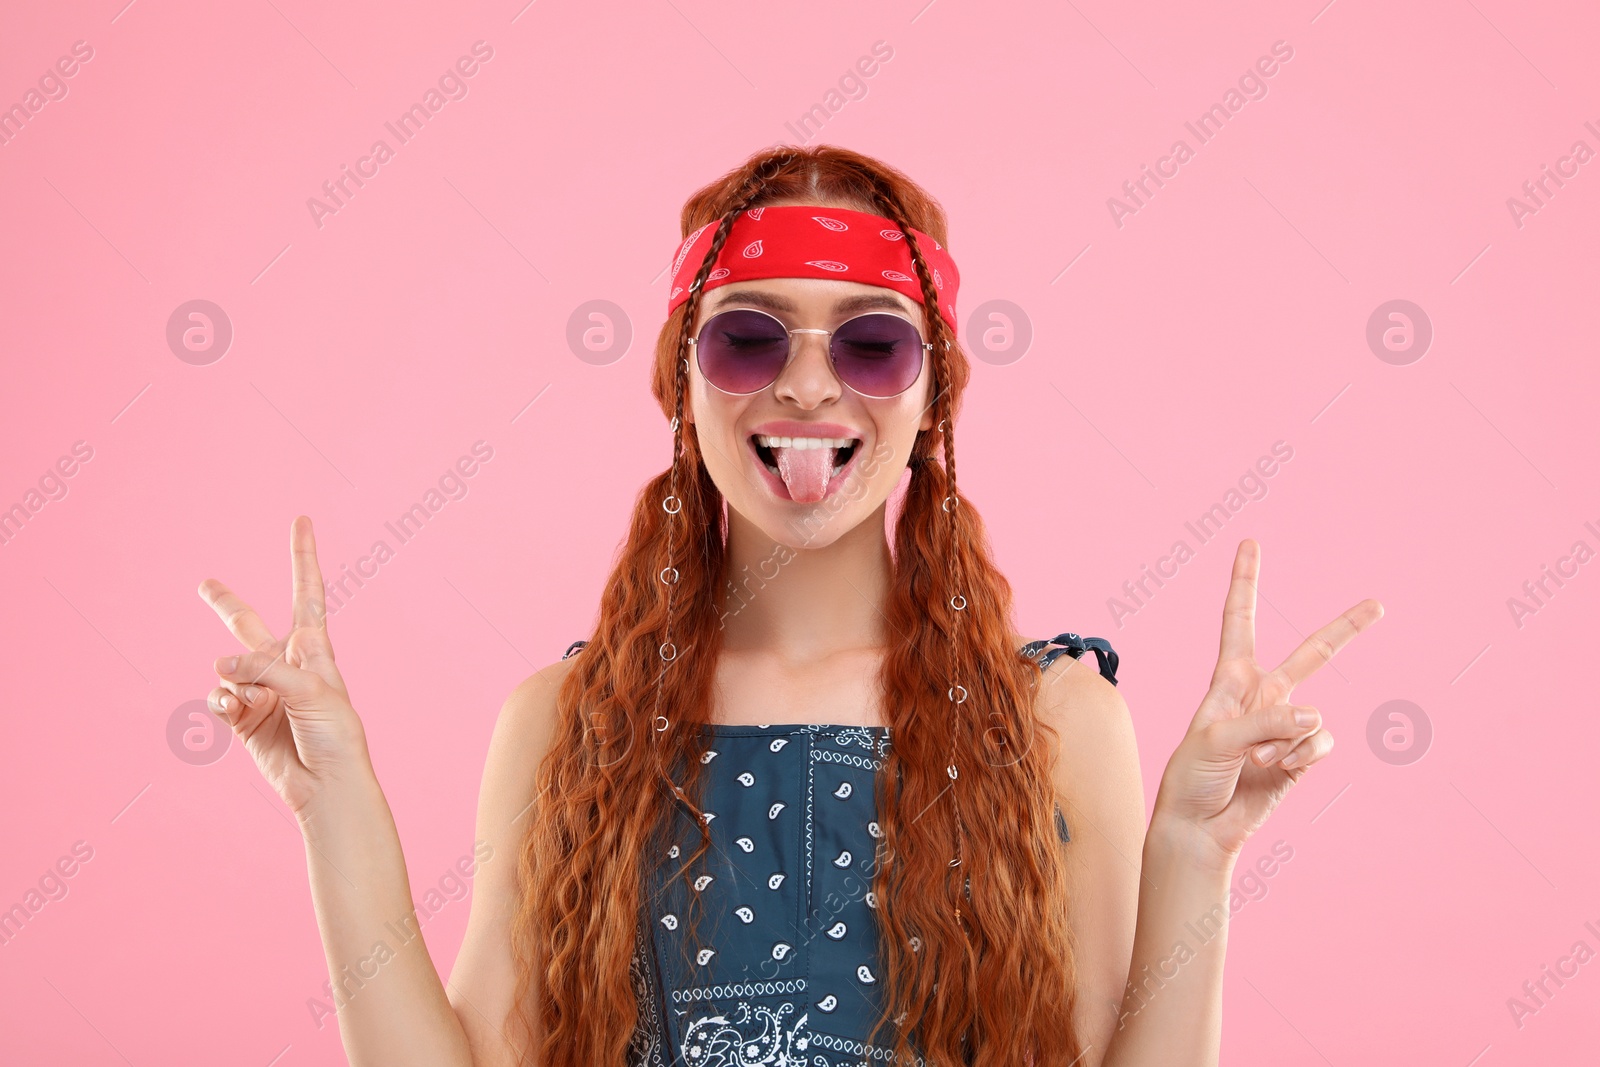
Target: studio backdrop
pixel 1320 274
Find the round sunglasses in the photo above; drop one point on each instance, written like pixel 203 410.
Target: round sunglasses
pixel 743 351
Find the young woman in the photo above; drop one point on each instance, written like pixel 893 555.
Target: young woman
pixel 804 796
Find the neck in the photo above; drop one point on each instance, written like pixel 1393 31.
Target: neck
pixel 804 604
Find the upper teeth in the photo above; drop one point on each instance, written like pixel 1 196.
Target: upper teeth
pixel 803 442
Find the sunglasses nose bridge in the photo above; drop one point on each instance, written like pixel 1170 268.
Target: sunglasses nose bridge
pixel 796 341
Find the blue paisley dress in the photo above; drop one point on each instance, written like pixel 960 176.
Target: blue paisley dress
pixel 785 970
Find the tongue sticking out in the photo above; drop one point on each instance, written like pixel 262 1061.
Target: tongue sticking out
pixel 805 471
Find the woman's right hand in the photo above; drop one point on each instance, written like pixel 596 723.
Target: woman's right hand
pixel 285 698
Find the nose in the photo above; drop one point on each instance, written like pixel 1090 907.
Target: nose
pixel 808 379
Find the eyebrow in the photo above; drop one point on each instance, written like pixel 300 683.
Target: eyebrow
pixel 773 302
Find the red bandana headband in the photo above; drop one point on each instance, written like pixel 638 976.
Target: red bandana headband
pixel 802 241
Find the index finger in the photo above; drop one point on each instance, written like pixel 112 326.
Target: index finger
pixel 308 603
pixel 1323 645
pixel 239 617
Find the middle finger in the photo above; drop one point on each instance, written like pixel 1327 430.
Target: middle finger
pixel 1323 645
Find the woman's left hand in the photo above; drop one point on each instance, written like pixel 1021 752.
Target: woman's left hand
pixel 1246 744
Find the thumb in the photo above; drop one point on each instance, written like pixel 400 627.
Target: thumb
pixel 1237 736
pixel 259 668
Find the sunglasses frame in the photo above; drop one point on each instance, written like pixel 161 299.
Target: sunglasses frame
pixel 794 346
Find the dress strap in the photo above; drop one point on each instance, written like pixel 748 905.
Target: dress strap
pixel 1074 646
pixel 573 648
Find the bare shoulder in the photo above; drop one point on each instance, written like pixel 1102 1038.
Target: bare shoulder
pixel 522 735
pixel 527 717
pixel 538 690
pixel 1096 756
pixel 1074 695
pixel 1073 690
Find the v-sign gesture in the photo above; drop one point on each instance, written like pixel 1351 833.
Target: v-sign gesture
pixel 1246 744
pixel 285 698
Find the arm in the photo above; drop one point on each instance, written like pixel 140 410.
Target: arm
pixel 403 1014
pixel 392 1007
pixel 1244 749
pixel 1102 797
pixel 1171 1010
pixel 289 705
pixel 483 984
pixel 1149 989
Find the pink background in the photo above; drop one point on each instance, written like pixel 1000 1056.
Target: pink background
pixel 1228 313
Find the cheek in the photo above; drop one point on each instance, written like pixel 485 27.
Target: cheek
pixel 904 424
pixel 922 405
pixel 714 421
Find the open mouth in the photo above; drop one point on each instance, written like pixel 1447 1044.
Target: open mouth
pixel 843 449
pixel 804 469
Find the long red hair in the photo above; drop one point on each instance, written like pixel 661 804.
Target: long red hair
pixel 963 780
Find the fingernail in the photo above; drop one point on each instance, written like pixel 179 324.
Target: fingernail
pixel 1291 759
pixel 252 693
pixel 230 664
pixel 1304 716
pixel 226 701
pixel 1266 752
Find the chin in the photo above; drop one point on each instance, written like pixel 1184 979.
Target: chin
pixel 809 526
pixel 820 527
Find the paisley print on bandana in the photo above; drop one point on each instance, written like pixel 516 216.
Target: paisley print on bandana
pixel 794 242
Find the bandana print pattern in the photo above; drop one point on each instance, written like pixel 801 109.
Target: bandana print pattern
pixel 791 242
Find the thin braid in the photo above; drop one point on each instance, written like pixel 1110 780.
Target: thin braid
pixel 940 333
pixel 752 185
pixel 759 174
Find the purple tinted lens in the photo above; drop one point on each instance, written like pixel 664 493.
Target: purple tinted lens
pixel 742 351
pixel 878 355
